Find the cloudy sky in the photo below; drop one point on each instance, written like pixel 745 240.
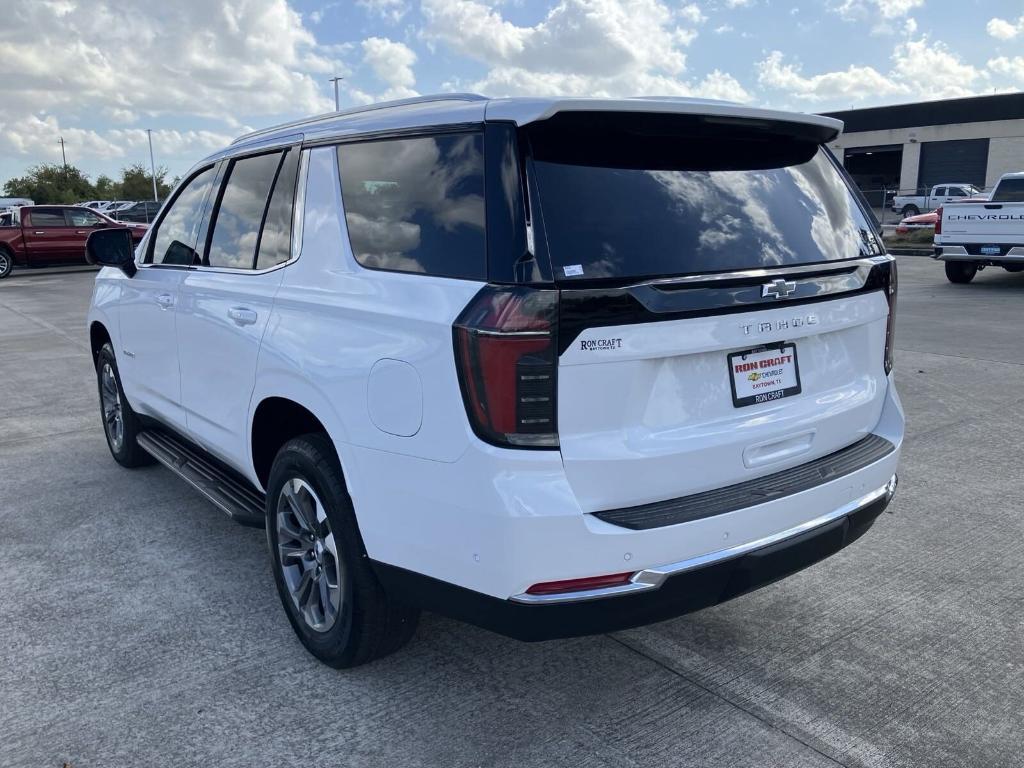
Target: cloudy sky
pixel 200 72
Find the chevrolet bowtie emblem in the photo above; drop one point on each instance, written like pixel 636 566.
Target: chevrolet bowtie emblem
pixel 777 289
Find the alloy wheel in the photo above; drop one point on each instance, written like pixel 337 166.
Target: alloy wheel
pixel 5 263
pixel 308 555
pixel 110 399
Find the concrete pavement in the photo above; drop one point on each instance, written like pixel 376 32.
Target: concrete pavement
pixel 138 625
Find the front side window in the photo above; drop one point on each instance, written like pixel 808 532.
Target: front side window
pixel 237 226
pixel 416 205
pixel 175 240
pixel 83 218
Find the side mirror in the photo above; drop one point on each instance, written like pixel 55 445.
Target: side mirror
pixel 111 248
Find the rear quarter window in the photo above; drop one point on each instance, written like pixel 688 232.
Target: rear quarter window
pixel 416 205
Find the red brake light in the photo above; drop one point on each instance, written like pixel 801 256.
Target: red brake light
pixel 938 221
pixel 505 355
pixel 578 585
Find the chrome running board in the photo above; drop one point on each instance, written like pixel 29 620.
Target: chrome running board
pixel 239 500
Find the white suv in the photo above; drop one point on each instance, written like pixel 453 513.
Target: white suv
pixel 553 367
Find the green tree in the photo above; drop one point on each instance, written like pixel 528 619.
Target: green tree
pixel 51 183
pixel 105 188
pixel 137 183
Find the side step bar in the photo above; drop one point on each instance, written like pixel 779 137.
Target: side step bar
pixel 242 503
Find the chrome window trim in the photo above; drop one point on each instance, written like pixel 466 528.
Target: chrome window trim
pixel 768 272
pixel 298 207
pixel 655 576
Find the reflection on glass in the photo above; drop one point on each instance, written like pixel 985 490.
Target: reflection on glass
pixel 416 205
pixel 627 221
pixel 237 228
pixel 175 240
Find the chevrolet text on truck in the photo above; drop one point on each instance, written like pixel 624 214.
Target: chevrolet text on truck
pixel 550 366
pixel 970 236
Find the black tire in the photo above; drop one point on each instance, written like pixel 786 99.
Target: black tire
pixel 6 263
pixel 960 271
pixel 910 210
pixel 368 623
pixel 126 451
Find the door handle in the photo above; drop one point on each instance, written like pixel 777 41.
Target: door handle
pixel 38 233
pixel 165 300
pixel 242 315
pixel 81 232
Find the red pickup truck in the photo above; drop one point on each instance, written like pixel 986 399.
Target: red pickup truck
pixel 50 235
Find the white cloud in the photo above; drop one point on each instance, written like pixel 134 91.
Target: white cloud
pixel 1001 29
pixel 581 47
pixel 392 64
pixel 851 84
pixel 867 10
pixel 391 10
pixel 118 62
pixel 921 69
pixel 935 71
pixel 1010 68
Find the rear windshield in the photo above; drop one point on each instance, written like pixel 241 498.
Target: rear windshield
pixel 632 198
pixel 1009 191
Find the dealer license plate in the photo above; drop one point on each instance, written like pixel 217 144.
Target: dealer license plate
pixel 764 374
pixel 991 250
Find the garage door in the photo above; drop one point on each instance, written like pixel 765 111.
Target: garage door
pixel 942 161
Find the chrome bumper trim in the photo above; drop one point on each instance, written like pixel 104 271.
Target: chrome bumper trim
pixel 959 253
pixel 654 577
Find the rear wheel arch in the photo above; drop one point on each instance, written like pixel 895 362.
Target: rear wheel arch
pixel 275 421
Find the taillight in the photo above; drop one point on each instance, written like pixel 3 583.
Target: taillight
pixel 938 221
pixel 890 326
pixel 505 355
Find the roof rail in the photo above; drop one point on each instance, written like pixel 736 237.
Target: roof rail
pixel 359 110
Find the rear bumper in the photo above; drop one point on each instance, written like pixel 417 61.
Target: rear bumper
pixel 655 593
pixel 972 253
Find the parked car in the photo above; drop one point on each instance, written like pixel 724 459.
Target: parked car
pixel 14 202
pixel 144 211
pixel 911 205
pixel 49 235
pixel 972 236
pixel 539 364
pixel 95 204
pixel 924 220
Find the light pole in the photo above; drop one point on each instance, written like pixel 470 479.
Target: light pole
pixel 152 165
pixel 64 157
pixel 336 80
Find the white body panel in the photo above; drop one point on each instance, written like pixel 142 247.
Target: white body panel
pixel 982 223
pixel 654 419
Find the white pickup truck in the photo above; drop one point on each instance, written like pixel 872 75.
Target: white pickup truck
pixel 911 205
pixel 970 236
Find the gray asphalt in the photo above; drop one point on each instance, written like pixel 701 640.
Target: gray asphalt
pixel 139 626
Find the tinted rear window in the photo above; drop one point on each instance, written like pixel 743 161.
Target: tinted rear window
pixel 645 198
pixel 1009 191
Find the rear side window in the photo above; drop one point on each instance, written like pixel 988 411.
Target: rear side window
pixel 638 196
pixel 416 205
pixel 48 218
pixel 82 218
pixel 240 211
pixel 1009 191
pixel 175 240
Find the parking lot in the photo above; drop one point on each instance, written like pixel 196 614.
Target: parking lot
pixel 140 626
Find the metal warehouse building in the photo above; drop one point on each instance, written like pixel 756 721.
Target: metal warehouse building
pixel 911 147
